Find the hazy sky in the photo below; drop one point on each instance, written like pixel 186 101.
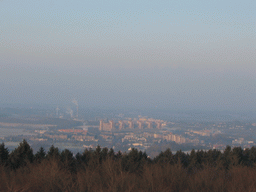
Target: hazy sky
pixel 185 54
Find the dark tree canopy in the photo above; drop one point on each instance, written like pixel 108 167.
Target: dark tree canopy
pixel 4 154
pixel 22 155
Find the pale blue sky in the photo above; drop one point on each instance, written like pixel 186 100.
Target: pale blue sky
pixel 171 54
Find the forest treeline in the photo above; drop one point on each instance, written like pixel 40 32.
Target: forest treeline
pixel 104 170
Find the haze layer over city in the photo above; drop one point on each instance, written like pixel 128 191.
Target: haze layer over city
pixel 150 72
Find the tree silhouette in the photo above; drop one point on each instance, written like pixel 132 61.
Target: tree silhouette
pixel 22 155
pixel 53 153
pixel 134 161
pixel 40 155
pixel 237 156
pixel 111 153
pixel 164 157
pixel 4 154
pixel 68 160
pixel 227 157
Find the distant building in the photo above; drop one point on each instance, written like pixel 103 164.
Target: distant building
pixel 106 126
pixel 140 124
pixel 121 125
pixel 131 125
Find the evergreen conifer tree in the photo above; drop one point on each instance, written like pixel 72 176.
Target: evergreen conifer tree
pixel 53 153
pixel 4 154
pixel 40 155
pixel 22 155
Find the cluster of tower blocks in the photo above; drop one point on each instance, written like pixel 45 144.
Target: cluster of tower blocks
pixel 122 125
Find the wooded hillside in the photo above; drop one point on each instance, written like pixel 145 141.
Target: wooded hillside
pixel 104 170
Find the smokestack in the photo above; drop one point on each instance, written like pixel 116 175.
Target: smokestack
pixel 76 103
pixel 70 111
pixel 77 111
pixel 57 111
